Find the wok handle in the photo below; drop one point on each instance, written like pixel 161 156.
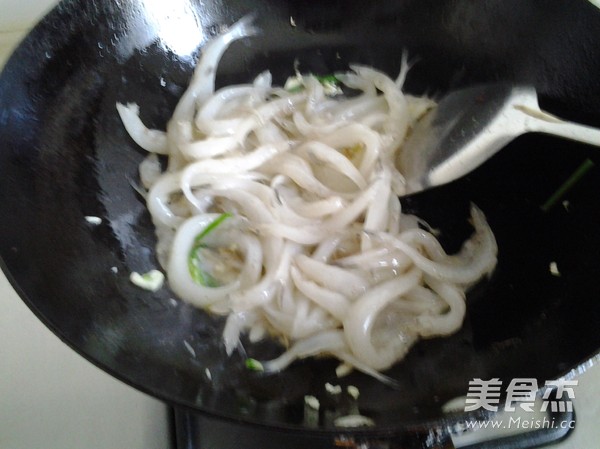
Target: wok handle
pixel 196 430
pixel 193 429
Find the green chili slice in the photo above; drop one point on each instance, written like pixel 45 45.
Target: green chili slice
pixel 198 275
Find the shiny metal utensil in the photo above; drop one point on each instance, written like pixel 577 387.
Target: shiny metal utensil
pixel 470 125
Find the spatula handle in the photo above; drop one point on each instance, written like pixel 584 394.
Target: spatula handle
pixel 568 130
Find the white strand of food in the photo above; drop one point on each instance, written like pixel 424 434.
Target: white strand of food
pixel 478 265
pixel 234 325
pixel 420 301
pixel 305 235
pixel 327 155
pixel 202 84
pixel 262 82
pixel 324 342
pixel 420 238
pixel 307 128
pixel 311 245
pixel 287 215
pixel 308 318
pixel 179 134
pixel 325 249
pixel 210 118
pixel 315 96
pixel 300 172
pixel 355 134
pixel 178 273
pixel 346 357
pixel 418 107
pixel 398 120
pixel 232 165
pixel 209 147
pixel 360 320
pixel 158 200
pixel 248 245
pixel 310 210
pixel 344 281
pixel 335 303
pixel 377 259
pixel 374 121
pixel 449 322
pixel 278 258
pixel 258 331
pixel 269 133
pixel 249 205
pixel 300 323
pixel 151 140
pixel 360 108
pixel 256 187
pixel 366 259
pixel 220 113
pixel 404 68
pixel 149 170
pixel 394 214
pixel 353 210
pixel 354 81
pixel 248 122
pixel 376 215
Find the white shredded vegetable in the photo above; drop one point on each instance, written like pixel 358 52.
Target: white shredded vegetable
pixel 280 209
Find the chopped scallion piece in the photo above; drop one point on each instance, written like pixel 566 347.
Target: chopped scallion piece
pixel 254 365
pixel 329 82
pixel 198 275
pixel 579 173
pixel 327 79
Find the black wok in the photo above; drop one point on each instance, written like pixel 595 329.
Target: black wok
pixel 64 155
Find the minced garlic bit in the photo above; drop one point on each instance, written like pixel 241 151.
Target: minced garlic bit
pixel 454 405
pixel 152 280
pixel 91 219
pixel 189 348
pixel 312 402
pixel 353 391
pixel 554 269
pixel 333 389
pixel 353 421
pixel 343 369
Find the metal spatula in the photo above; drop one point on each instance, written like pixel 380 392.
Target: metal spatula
pixel 470 125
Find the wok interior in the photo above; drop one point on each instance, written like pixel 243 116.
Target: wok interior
pixel 65 155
